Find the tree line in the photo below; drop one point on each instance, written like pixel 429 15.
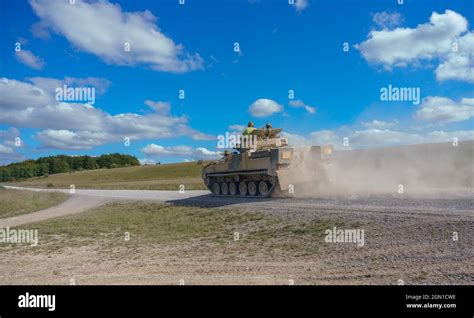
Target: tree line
pixel 57 164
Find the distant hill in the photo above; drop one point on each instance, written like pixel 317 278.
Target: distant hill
pixel 58 164
pixel 149 177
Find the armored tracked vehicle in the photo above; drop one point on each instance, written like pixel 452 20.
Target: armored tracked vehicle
pixel 260 166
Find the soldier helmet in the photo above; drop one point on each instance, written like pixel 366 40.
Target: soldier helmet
pixel 268 126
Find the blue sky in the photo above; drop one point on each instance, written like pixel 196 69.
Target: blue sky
pixel 191 47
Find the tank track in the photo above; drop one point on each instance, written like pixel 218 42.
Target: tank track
pixel 255 190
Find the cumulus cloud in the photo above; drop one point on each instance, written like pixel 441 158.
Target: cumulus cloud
pixel 82 126
pixel 29 59
pixel 154 150
pixel 432 41
pixel 117 37
pixel 445 110
pixel 264 107
pixel 300 104
pixel 459 65
pixel 404 45
pixel 69 140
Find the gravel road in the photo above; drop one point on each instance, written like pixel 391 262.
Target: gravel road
pixel 407 240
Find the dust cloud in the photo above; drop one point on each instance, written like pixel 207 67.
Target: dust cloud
pixel 426 170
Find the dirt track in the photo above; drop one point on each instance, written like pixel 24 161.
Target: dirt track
pixel 83 200
pixel 407 239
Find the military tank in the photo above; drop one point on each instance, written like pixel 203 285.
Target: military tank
pixel 260 167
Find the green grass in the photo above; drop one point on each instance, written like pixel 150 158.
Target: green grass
pixel 156 177
pixel 16 202
pixel 200 228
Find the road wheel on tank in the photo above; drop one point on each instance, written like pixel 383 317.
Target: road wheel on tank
pixel 216 189
pixel 263 188
pixel 243 188
pixel 252 188
pixel 232 188
pixel 224 188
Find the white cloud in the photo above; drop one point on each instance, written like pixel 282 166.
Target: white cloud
pixel 430 41
pixel 29 59
pixel 69 140
pixel 459 65
pixel 387 20
pixel 18 95
pixel 300 104
pixel 82 126
pixel 404 45
pixel 264 107
pixel 380 124
pixel 158 151
pixel 103 29
pixel 445 110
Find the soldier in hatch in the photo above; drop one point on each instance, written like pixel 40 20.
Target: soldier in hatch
pixel 249 129
pixel 246 141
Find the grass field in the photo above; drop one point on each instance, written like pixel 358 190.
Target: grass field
pixel 156 177
pixel 155 224
pixel 16 202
